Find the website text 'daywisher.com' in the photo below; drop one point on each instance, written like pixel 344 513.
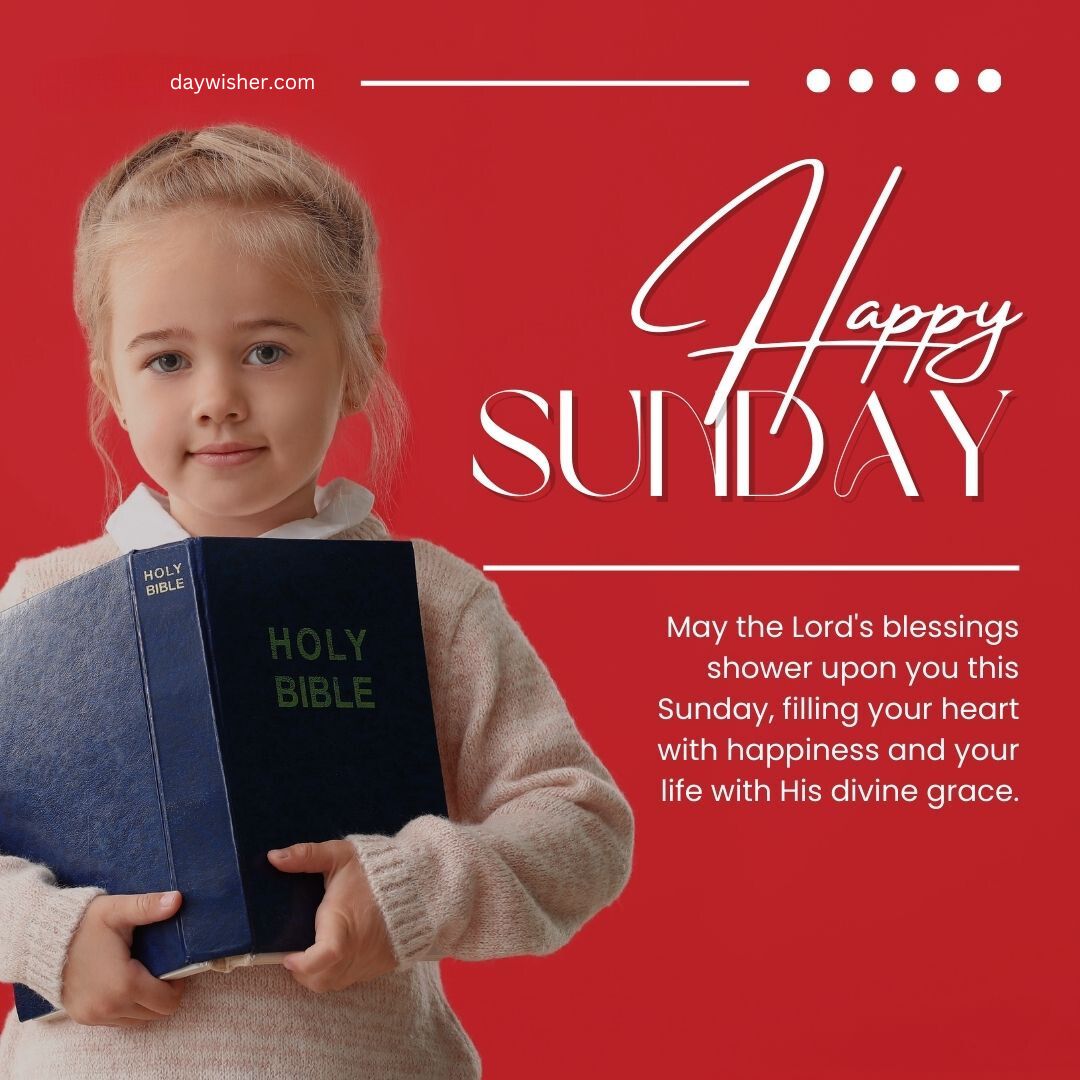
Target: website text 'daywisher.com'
pixel 196 84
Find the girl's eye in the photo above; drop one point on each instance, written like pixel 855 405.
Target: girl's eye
pixel 267 355
pixel 262 356
pixel 167 362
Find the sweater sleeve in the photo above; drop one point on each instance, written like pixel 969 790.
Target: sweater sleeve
pixel 14 588
pixel 38 918
pixel 541 838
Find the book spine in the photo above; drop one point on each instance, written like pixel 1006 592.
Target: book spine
pixel 213 919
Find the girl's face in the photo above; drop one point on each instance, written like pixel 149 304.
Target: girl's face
pixel 209 349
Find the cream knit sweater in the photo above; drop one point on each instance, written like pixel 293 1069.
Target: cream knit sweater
pixel 538 840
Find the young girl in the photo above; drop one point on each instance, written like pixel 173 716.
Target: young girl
pixel 227 285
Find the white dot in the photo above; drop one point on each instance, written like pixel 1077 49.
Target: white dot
pixel 989 81
pixel 903 81
pixel 860 80
pixel 946 80
pixel 818 80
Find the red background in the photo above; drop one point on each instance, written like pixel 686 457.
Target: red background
pixel 517 226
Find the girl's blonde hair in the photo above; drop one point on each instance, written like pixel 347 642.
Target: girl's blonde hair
pixel 291 207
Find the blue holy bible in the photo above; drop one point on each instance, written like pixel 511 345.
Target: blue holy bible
pixel 169 717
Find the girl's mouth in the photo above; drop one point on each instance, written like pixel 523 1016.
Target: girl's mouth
pixel 222 459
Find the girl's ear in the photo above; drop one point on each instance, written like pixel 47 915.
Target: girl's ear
pixel 378 347
pixel 350 405
pixel 104 384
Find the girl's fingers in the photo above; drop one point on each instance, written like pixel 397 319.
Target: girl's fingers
pixel 155 995
pixel 154 1006
pixel 319 957
pixel 137 1013
pixel 331 938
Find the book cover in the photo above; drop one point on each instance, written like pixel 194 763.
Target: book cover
pixel 173 715
pixel 828 662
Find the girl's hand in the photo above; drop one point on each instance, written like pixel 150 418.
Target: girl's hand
pixel 102 984
pixel 351 941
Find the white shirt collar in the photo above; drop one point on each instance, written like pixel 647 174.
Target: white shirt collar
pixel 143 520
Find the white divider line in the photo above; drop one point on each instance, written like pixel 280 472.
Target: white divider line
pixel 551 82
pixel 741 568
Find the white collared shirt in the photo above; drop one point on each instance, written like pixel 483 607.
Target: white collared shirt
pixel 143 520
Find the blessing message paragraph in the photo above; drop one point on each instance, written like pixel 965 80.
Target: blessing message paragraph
pixel 882 708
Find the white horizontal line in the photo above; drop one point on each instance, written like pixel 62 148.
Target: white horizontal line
pixel 756 567
pixel 554 82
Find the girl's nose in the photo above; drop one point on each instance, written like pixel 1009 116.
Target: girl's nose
pixel 218 397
